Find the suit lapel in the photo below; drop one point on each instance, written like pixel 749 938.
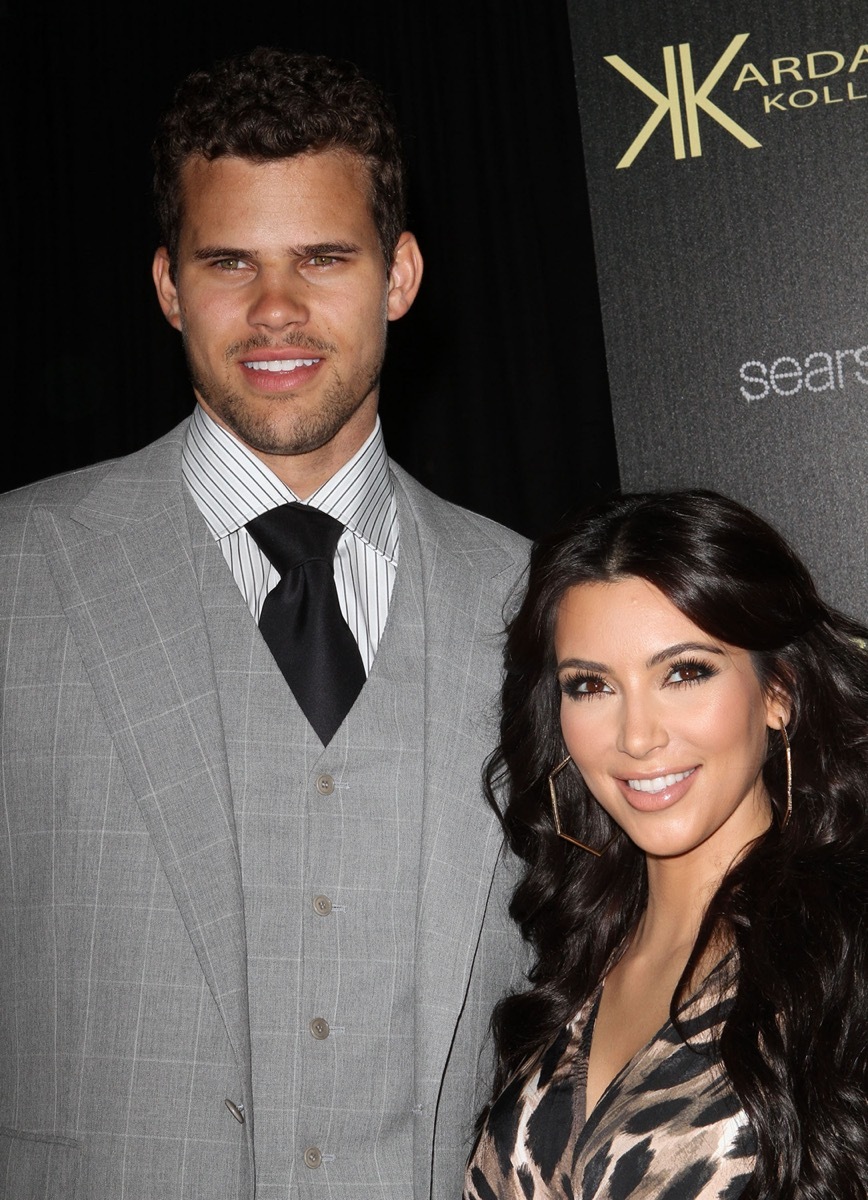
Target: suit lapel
pixel 123 566
pixel 460 838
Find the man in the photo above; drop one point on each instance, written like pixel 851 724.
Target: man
pixel 254 907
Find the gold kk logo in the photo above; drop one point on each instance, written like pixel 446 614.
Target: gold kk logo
pixel 695 99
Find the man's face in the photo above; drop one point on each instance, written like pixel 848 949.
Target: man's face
pixel 282 297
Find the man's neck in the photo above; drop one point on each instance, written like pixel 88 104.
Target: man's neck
pixel 305 473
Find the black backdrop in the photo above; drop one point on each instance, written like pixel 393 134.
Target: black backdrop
pixel 495 390
pixel 732 273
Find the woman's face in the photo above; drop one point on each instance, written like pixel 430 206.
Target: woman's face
pixel 667 725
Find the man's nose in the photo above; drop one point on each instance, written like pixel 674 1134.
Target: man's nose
pixel 280 300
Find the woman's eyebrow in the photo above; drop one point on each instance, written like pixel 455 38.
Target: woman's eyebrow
pixel 684 648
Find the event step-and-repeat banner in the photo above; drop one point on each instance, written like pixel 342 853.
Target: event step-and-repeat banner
pixel 726 154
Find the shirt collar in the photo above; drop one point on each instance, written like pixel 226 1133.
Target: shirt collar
pixel 231 485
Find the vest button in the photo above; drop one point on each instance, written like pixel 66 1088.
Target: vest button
pixel 312 1157
pixel 319 1027
pixel 237 1110
pixel 322 906
pixel 325 784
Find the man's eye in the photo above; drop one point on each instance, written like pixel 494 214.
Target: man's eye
pixel 323 260
pixel 228 264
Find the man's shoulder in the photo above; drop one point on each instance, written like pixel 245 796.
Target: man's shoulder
pixel 150 466
pixel 459 527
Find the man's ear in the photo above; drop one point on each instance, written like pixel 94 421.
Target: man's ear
pixel 167 293
pixel 405 275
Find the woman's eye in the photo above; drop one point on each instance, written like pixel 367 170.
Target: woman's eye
pixel 584 685
pixel 690 672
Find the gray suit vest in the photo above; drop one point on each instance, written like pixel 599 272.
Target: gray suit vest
pixel 329 842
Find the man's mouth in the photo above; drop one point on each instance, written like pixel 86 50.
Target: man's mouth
pixel 280 364
pixel 659 782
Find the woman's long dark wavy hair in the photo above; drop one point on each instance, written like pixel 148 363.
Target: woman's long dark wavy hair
pixel 795 1045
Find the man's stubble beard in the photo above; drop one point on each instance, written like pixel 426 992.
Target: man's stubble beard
pixel 306 432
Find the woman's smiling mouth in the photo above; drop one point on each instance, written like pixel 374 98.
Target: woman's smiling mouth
pixel 659 782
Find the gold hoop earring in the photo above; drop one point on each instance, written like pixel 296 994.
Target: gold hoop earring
pixel 789 758
pixel 558 830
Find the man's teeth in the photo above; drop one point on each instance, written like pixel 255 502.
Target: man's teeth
pixel 658 784
pixel 281 364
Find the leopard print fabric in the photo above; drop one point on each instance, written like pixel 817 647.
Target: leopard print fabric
pixel 668 1127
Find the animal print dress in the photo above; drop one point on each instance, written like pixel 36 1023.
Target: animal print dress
pixel 668 1127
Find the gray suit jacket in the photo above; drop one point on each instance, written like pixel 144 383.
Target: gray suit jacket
pixel 123 984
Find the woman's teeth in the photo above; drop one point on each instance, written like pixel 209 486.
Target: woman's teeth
pixel 658 784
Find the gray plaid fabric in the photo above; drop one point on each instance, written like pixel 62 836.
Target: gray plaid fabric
pixel 160 954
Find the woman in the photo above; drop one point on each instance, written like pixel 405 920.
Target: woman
pixel 684 743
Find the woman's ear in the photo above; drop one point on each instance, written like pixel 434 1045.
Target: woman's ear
pixel 779 707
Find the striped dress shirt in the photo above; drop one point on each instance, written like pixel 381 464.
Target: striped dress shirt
pixel 231 486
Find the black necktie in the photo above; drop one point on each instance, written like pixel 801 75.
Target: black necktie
pixel 301 619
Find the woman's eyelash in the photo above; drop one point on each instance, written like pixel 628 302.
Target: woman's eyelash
pixel 692 670
pixel 579 684
pixel 683 673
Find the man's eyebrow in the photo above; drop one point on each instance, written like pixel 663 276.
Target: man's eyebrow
pixel 317 248
pixel 310 250
pixel 207 253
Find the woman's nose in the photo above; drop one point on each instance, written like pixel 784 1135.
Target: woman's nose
pixel 642 729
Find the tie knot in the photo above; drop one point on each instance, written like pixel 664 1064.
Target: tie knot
pixel 292 534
